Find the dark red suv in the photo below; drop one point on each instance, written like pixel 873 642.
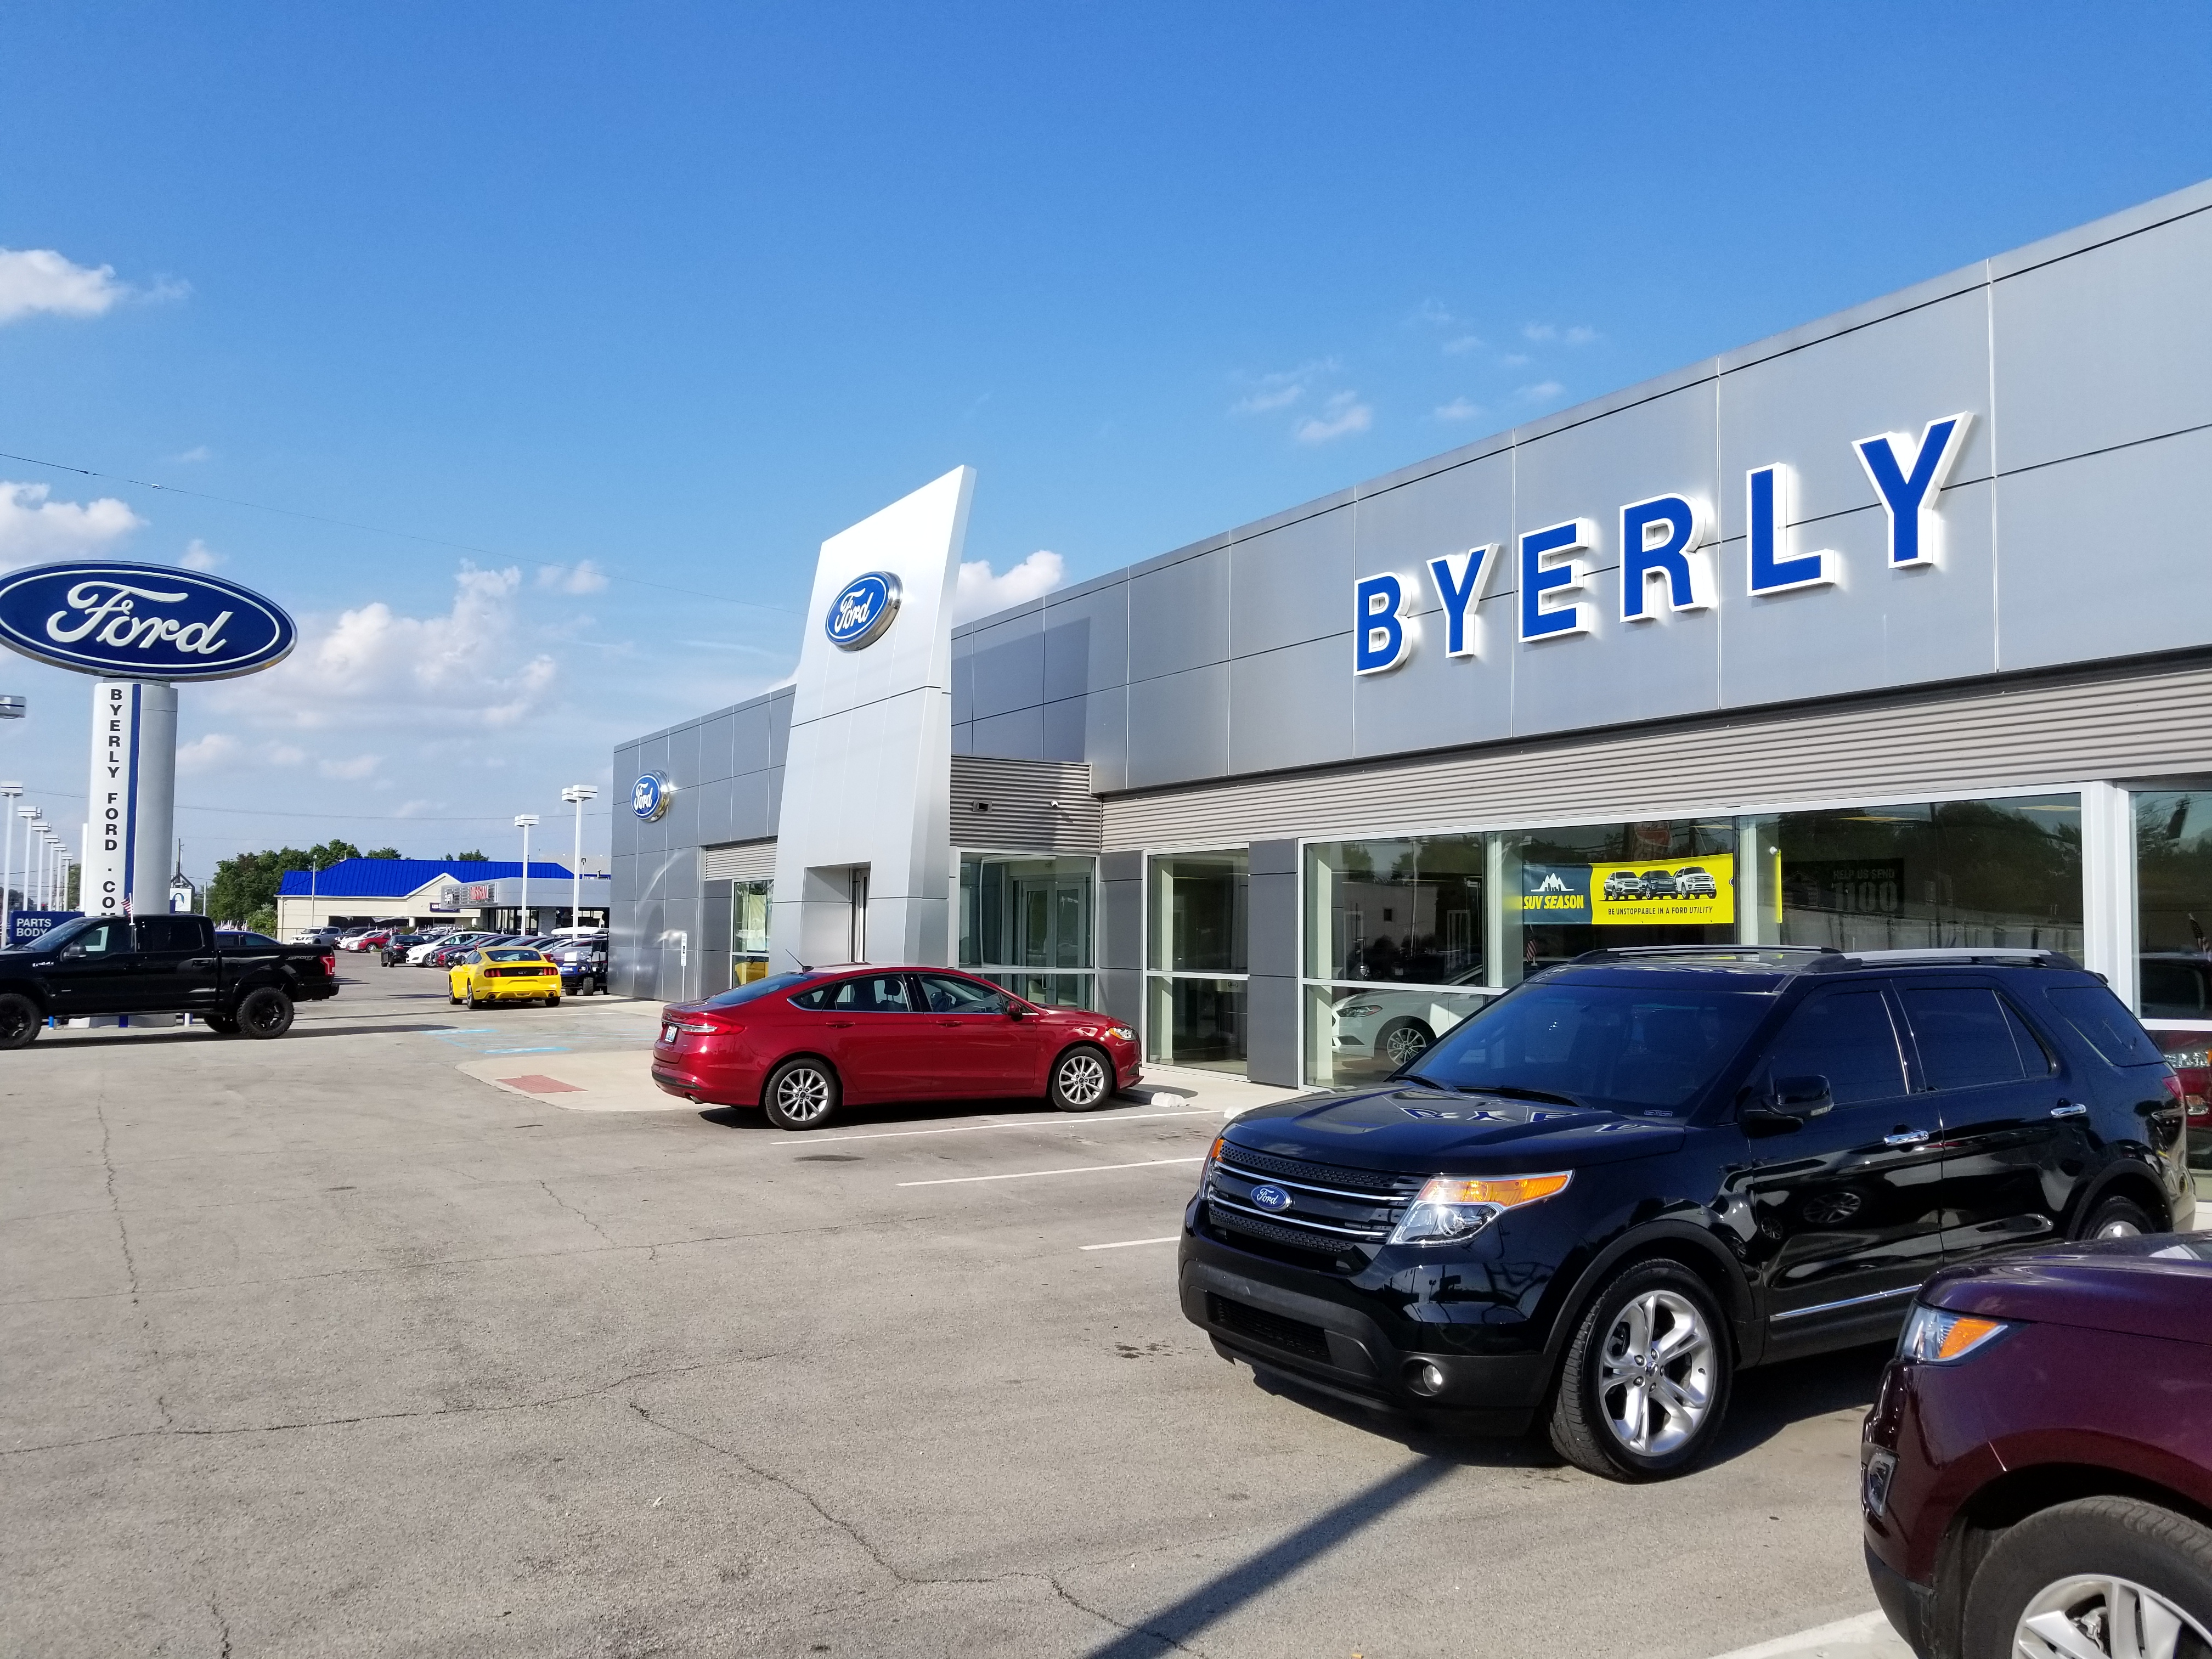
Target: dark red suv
pixel 799 1046
pixel 2037 1472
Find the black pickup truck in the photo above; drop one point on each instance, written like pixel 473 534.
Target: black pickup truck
pixel 157 965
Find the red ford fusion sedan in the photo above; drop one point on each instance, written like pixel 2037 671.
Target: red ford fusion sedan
pixel 2037 1472
pixel 800 1046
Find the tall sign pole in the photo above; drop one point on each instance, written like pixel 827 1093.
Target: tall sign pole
pixel 8 792
pixel 523 822
pixel 577 794
pixel 139 630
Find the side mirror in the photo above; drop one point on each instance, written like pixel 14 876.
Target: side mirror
pixel 1809 1095
pixel 1015 1011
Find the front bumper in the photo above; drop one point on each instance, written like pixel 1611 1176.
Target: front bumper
pixel 1313 1328
pixel 1909 1607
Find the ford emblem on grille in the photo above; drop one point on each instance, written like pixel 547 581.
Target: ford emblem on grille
pixel 1271 1198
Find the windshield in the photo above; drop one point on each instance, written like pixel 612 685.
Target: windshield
pixel 511 956
pixel 759 988
pixel 1649 1052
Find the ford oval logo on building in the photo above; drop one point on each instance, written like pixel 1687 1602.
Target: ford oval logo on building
pixel 651 796
pixel 141 622
pixel 864 607
pixel 1273 1199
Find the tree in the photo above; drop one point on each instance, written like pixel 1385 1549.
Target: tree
pixel 382 853
pixel 466 858
pixel 244 891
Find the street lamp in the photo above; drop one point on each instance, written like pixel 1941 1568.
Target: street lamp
pixel 8 793
pixel 525 821
pixel 32 826
pixel 56 869
pixel 576 794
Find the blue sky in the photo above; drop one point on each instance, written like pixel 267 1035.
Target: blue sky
pixel 681 290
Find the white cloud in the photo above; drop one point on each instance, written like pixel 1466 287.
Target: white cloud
pixel 1515 359
pixel 1547 333
pixel 359 767
pixel 1434 313
pixel 375 668
pixel 198 556
pixel 32 527
pixel 581 577
pixel 1465 342
pixel 196 453
pixel 1283 388
pixel 1344 413
pixel 1259 403
pixel 208 753
pixel 1459 409
pixel 1542 392
pixel 35 280
pixel 282 754
pixel 980 592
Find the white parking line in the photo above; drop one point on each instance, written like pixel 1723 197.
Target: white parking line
pixel 1124 1243
pixel 1062 1121
pixel 1865 1637
pixel 1025 1174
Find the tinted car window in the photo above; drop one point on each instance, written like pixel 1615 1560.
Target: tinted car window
pixel 242 941
pixel 172 933
pixel 2034 1053
pixel 1964 1038
pixel 511 956
pixel 102 938
pixel 947 995
pixel 872 993
pixel 759 988
pixel 2105 1024
pixel 1614 1047
pixel 1846 1038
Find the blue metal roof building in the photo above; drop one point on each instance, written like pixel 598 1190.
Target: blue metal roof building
pixel 402 878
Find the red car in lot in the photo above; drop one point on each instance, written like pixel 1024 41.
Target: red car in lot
pixel 2036 1471
pixel 801 1046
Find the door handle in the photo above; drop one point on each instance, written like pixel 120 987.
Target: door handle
pixel 1905 1137
pixel 2069 1109
pixel 838 1025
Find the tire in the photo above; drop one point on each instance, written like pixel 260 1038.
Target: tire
pixel 1602 1406
pixel 552 1002
pixel 2117 1217
pixel 2079 1568
pixel 469 997
pixel 265 1013
pixel 221 1025
pixel 1402 1039
pixel 451 998
pixel 1082 1080
pixel 801 1094
pixel 20 1021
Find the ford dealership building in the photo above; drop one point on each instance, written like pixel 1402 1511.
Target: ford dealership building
pixel 1892 630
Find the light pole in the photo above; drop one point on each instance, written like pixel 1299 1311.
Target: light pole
pixel 27 813
pixel 57 871
pixel 577 794
pixel 524 822
pixel 8 792
pixel 45 868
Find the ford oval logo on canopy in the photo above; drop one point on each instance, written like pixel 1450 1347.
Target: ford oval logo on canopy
pixel 141 622
pixel 864 607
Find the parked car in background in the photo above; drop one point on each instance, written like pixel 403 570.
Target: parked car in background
pixel 1597 1198
pixel 396 946
pixel 582 960
pixel 2036 1475
pixel 802 1046
pixel 1394 1024
pixel 97 965
pixel 504 973
pixel 2189 1053
pixel 319 935
pixel 238 938
pixel 444 940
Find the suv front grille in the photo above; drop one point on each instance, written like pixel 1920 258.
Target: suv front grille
pixel 1290 1335
pixel 1321 1174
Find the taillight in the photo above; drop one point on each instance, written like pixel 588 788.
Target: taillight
pixel 330 964
pixel 700 1026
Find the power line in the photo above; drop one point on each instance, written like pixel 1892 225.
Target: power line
pixel 343 817
pixel 372 529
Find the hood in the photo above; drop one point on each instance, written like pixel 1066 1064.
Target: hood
pixel 1410 1129
pixel 2160 1285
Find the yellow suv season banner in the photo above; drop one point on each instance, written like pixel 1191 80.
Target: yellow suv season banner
pixel 1659 891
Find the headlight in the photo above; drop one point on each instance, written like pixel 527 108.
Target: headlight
pixel 1934 1337
pixel 1364 1008
pixel 1121 1034
pixel 1450 1207
pixel 1213 1157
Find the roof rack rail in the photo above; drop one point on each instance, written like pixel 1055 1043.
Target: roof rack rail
pixel 1960 956
pixel 1636 952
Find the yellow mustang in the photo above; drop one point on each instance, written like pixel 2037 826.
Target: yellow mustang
pixel 505 973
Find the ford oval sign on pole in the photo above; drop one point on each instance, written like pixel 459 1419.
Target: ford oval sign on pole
pixel 140 629
pixel 862 610
pixel 141 622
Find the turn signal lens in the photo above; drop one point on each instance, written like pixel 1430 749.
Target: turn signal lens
pixel 1452 1207
pixel 1934 1337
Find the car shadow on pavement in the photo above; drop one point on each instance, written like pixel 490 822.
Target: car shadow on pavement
pixel 918 1114
pixel 1767 1401
pixel 56 1041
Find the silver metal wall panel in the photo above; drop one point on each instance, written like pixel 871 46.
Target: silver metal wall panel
pixel 1179 726
pixel 1179 616
pixel 1025 806
pixel 1287 707
pixel 1086 640
pixel 1291 585
pixel 1008 665
pixel 2109 347
pixel 2026 737
pixel 750 860
pixel 1019 735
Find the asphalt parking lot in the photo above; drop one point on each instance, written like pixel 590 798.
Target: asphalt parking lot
pixel 323 1345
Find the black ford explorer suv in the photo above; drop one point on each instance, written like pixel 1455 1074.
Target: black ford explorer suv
pixel 1637 1173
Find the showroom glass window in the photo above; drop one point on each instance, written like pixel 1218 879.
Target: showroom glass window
pixel 749 914
pixel 1196 925
pixel 1395 950
pixel 1025 924
pixel 1962 872
pixel 2174 941
pixel 1602 886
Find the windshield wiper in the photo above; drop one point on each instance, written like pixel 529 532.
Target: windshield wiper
pixel 1514 1092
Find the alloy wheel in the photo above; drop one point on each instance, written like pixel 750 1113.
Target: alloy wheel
pixel 2078 1618
pixel 1404 1043
pixel 802 1094
pixel 1656 1373
pixel 1083 1080
pixel 2119 1227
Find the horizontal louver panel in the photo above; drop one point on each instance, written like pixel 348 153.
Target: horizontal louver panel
pixel 745 860
pixel 2142 725
pixel 1024 805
